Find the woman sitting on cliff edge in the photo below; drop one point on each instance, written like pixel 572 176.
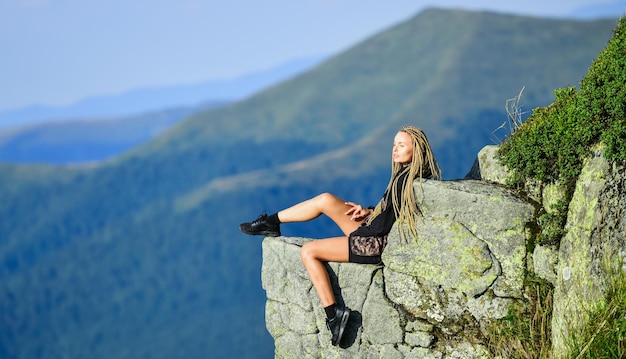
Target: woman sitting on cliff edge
pixel 365 229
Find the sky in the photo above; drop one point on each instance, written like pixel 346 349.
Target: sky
pixel 57 52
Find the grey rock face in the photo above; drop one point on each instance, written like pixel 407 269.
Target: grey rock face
pixel 594 242
pixel 486 167
pixel 465 268
pixel 544 263
pixel 492 216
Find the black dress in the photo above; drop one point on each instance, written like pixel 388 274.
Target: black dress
pixel 367 242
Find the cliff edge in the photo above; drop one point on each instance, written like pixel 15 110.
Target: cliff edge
pixel 432 298
pixel 435 297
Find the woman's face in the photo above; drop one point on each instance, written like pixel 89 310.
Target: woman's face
pixel 402 148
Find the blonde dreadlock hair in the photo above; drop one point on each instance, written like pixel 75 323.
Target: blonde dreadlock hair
pixel 423 166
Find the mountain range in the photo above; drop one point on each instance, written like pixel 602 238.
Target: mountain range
pixel 86 140
pixel 101 127
pixel 144 100
pixel 140 255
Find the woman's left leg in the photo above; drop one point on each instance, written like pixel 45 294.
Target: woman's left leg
pixel 314 254
pixel 326 203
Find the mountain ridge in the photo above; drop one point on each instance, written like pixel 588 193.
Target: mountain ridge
pixel 251 119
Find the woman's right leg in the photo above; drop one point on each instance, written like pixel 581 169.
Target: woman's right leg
pixel 325 203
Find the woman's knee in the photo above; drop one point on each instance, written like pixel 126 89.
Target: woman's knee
pixel 307 252
pixel 326 200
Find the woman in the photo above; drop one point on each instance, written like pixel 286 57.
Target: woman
pixel 365 229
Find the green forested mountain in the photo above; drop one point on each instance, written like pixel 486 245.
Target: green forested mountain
pixel 140 256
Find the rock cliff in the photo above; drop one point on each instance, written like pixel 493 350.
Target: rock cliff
pixel 435 297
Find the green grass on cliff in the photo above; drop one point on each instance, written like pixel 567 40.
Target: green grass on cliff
pixel 525 332
pixel 551 145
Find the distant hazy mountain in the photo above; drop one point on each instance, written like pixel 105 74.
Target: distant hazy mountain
pixel 604 10
pixel 158 98
pixel 93 129
pixel 141 256
pixel 87 140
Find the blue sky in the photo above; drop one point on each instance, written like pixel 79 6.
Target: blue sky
pixel 56 52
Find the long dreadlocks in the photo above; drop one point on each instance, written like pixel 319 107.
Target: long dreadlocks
pixel 423 166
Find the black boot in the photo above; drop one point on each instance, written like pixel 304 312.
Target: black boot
pixel 337 325
pixel 261 226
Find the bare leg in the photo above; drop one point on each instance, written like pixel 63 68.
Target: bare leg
pixel 325 203
pixel 314 254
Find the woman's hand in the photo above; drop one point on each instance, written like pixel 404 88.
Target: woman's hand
pixel 357 212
